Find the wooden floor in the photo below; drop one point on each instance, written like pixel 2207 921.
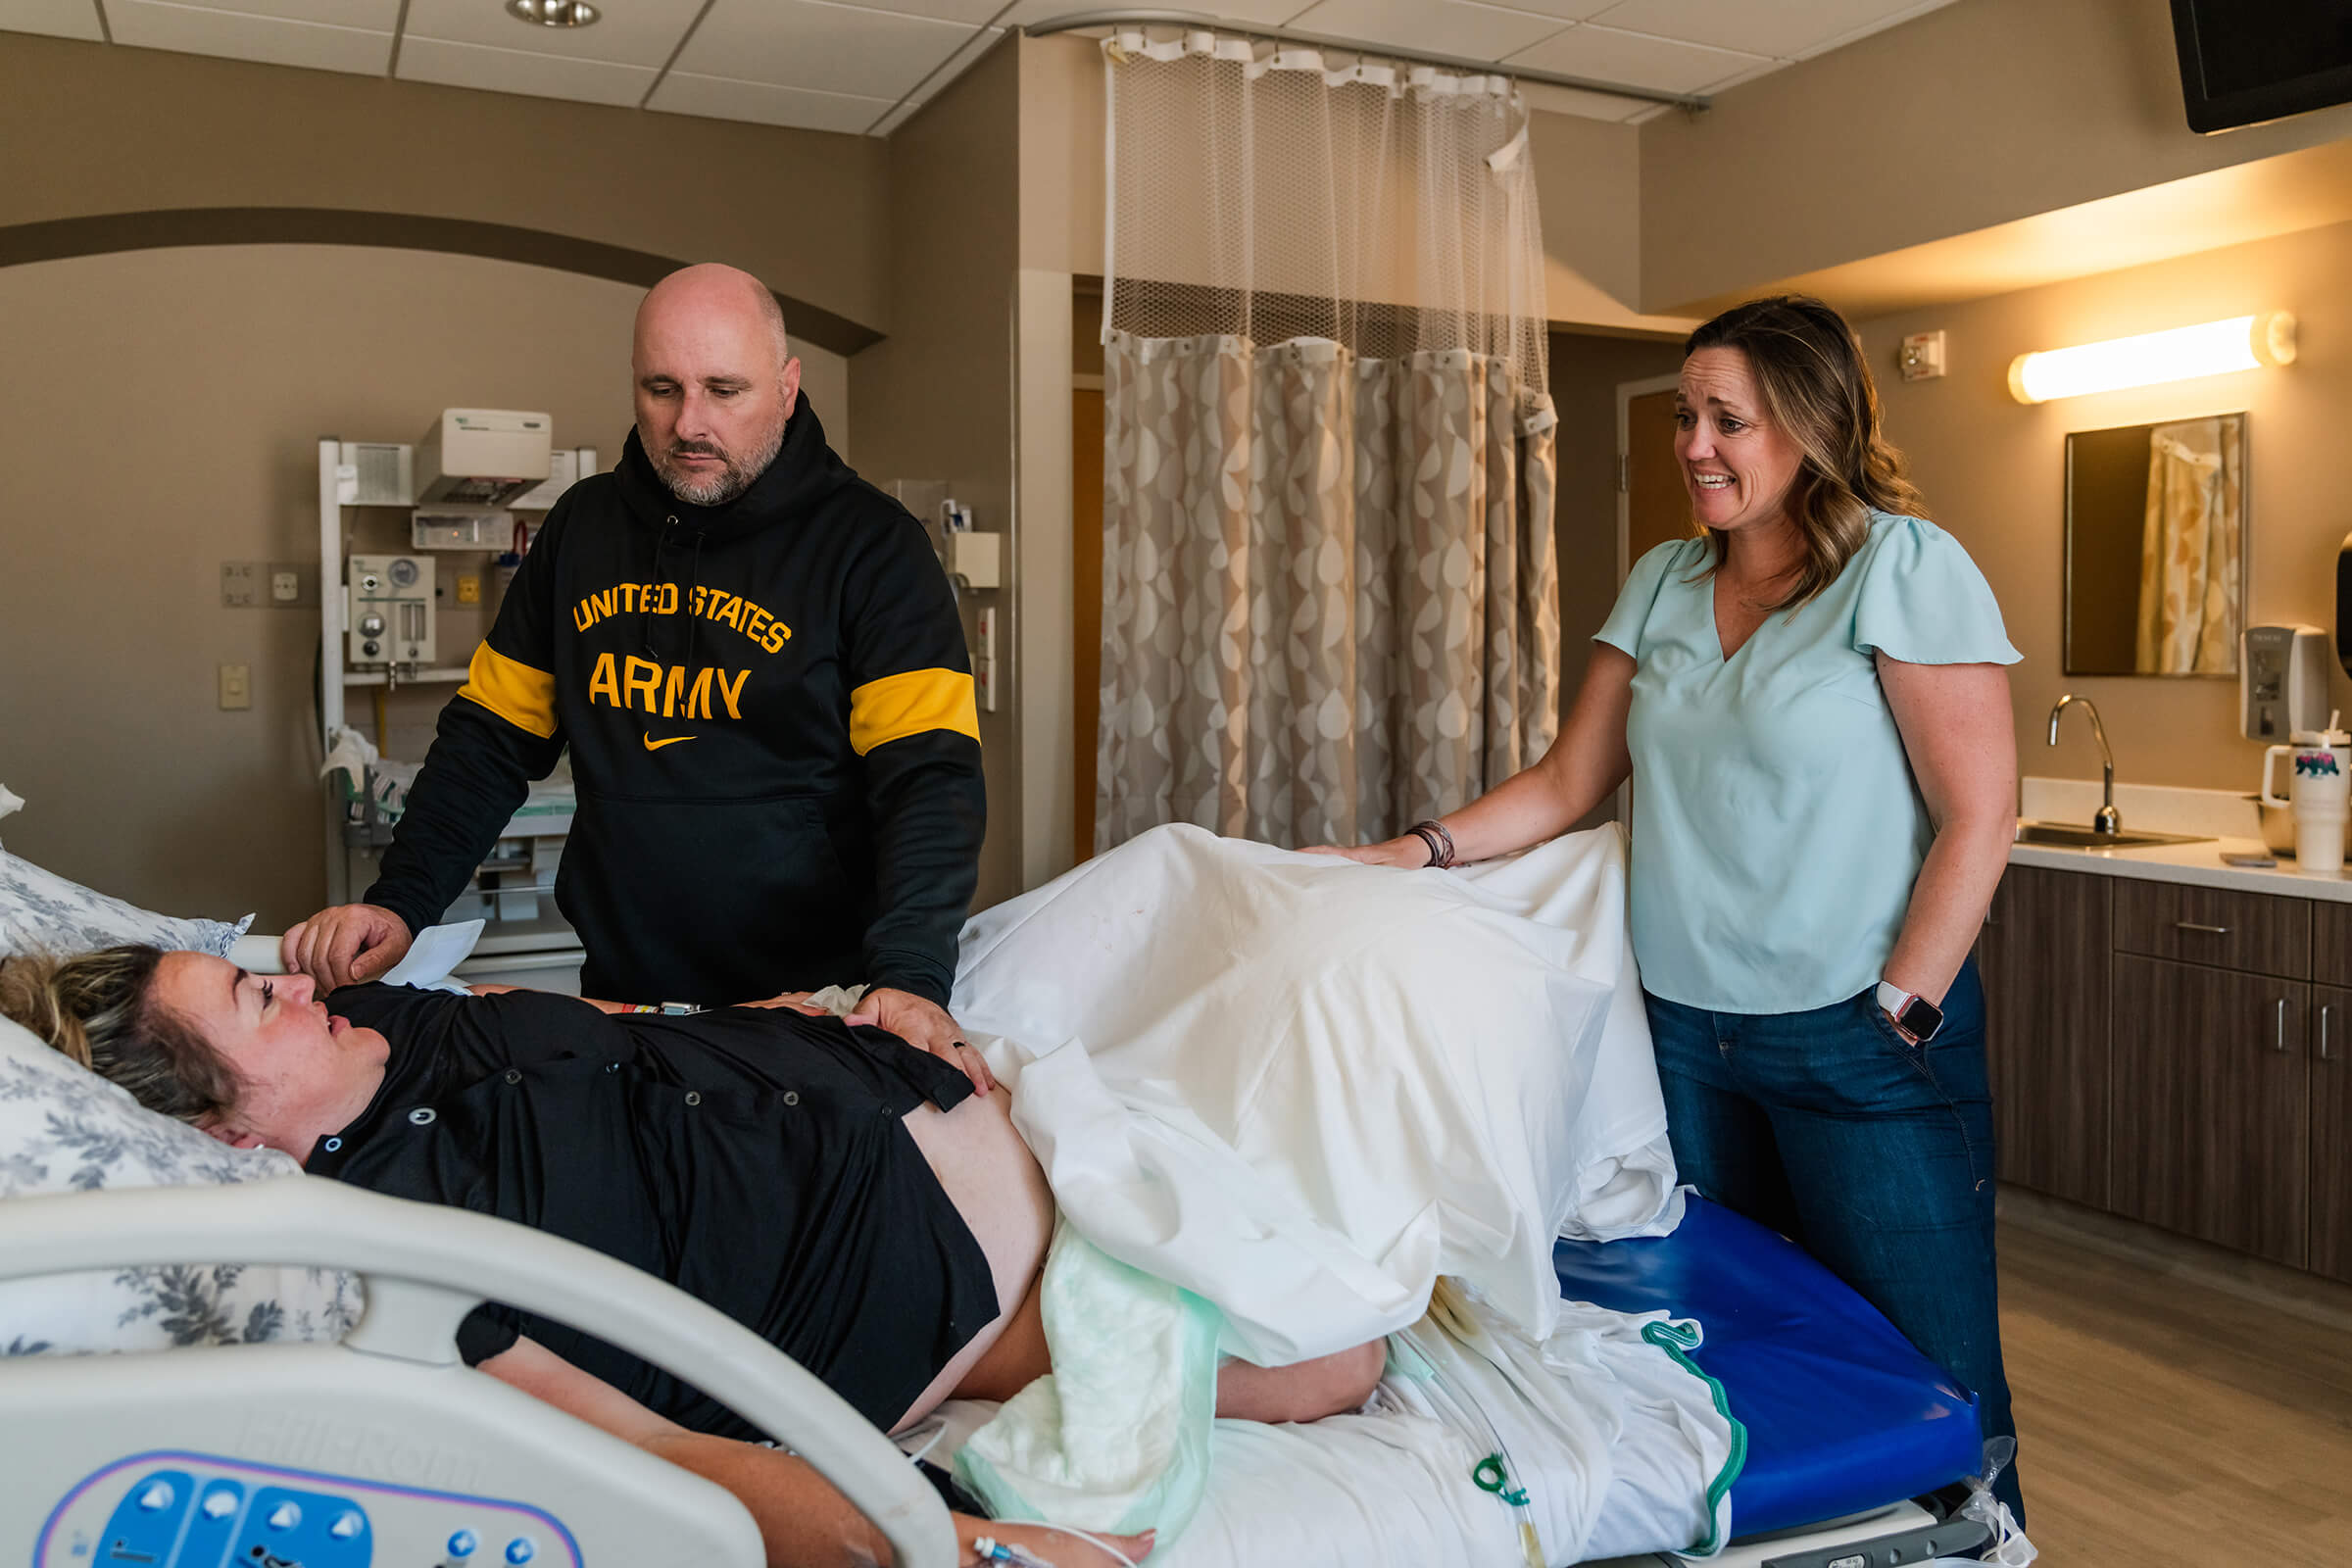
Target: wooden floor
pixel 2168 1423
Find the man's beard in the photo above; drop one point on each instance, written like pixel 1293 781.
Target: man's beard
pixel 724 486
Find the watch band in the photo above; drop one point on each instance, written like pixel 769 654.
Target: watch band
pixel 1916 1015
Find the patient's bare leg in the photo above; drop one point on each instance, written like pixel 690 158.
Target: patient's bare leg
pixel 1310 1391
pixel 997 1187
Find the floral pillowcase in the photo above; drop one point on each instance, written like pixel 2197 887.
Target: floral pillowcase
pixel 63 1129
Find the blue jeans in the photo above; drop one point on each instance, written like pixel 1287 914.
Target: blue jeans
pixel 1872 1153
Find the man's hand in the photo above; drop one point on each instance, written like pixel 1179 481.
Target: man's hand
pixel 926 1026
pixel 345 945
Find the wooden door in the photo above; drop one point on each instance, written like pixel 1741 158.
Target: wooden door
pixel 1086 593
pixel 1657 508
pixel 2332 1132
pixel 2212 1104
pixel 2044 955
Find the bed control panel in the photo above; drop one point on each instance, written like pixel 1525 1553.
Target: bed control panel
pixel 187 1510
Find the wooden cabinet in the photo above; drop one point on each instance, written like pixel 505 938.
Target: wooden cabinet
pixel 2331 944
pixel 2209 1099
pixel 2332 1130
pixel 2261 932
pixel 2043 956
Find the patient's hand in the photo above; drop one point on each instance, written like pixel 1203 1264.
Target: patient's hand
pixel 346 944
pixel 925 1025
pixel 1408 854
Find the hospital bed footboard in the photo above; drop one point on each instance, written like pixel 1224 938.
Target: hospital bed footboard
pixel 385 1449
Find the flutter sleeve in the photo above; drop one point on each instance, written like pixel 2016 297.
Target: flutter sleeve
pixel 1924 601
pixel 1631 613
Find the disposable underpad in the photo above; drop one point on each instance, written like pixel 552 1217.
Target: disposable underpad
pixel 1841 1413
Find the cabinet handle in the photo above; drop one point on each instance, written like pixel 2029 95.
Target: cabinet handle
pixel 2210 930
pixel 2325 1053
pixel 2280 1036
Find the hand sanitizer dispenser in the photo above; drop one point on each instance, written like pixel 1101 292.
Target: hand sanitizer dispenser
pixel 2283 681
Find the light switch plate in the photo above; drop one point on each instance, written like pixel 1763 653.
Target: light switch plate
pixel 237 687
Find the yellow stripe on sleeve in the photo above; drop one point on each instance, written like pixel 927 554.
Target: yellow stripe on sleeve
pixel 523 696
pixel 899 705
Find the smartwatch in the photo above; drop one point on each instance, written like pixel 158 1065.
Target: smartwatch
pixel 1919 1017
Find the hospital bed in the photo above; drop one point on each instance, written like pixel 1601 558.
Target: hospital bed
pixel 383 1450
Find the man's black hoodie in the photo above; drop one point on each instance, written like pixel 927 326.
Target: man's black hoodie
pixel 772 731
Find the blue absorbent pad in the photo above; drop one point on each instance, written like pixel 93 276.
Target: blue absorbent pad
pixel 1841 1413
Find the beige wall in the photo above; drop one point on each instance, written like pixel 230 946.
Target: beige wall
pixel 1994 473
pixel 94 129
pixel 161 416
pixel 934 401
pixel 1974 115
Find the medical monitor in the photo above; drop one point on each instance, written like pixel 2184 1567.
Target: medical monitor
pixel 2247 61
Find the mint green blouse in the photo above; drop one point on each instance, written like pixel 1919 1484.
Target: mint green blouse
pixel 1776 826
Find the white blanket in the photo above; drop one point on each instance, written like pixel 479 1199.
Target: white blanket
pixel 1303 1089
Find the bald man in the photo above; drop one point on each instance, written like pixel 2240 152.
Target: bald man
pixel 757 663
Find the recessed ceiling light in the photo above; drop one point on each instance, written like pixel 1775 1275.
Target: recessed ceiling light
pixel 553 12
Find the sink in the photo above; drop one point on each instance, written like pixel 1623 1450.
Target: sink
pixel 2070 836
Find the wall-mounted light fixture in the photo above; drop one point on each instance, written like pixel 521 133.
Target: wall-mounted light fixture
pixel 2213 348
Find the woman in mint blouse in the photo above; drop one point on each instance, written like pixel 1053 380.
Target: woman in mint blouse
pixel 1809 698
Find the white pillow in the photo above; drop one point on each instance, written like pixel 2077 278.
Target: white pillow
pixel 42 912
pixel 63 1129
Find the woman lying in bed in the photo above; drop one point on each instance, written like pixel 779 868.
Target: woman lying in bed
pixel 847 1196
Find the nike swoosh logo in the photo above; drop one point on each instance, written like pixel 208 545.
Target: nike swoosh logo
pixel 652 745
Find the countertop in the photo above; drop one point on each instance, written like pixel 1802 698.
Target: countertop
pixel 2229 818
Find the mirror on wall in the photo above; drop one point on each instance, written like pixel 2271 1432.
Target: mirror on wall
pixel 2155 548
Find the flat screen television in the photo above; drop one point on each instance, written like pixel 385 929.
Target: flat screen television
pixel 2247 61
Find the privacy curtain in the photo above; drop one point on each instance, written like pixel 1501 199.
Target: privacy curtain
pixel 1331 600
pixel 2189 555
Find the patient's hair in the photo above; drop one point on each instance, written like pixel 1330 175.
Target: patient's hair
pixel 1815 384
pixel 100 1009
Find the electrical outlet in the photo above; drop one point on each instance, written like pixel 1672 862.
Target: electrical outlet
pixel 469 588
pixel 237 686
pixel 241 584
pixel 284 587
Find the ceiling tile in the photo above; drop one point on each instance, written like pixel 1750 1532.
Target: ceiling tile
pixel 641 32
pixel 684 94
pixel 982 40
pixel 1636 59
pixel 368 16
pixel 473 65
pixel 830 48
pixel 60 18
pixel 1266 13
pixel 971 13
pixel 1564 10
pixel 1785 28
pixel 240 36
pixel 1439 26
pixel 1917 8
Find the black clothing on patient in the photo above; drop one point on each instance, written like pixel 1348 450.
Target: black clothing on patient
pixel 753 1157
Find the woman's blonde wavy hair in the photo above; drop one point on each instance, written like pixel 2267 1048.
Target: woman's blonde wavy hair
pixel 100 1009
pixel 1815 384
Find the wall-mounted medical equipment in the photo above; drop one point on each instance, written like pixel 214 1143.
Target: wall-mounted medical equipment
pixel 460 528
pixel 483 457
pixel 2210 348
pixel 390 612
pixel 375 474
pixel 977 557
pixel 2281 681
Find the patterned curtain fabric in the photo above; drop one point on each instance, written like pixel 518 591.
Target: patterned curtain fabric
pixel 2190 556
pixel 1330 598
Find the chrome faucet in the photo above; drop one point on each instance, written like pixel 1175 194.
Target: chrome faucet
pixel 2108 820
